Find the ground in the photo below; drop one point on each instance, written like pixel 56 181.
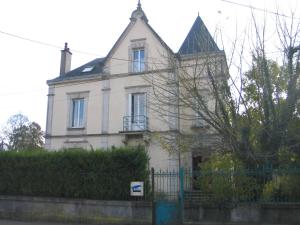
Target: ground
pixel 13 222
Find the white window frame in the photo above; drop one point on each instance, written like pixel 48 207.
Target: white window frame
pixel 141 63
pixel 138 63
pixel 74 96
pixel 135 124
pixel 77 117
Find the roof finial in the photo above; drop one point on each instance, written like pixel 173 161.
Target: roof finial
pixel 139 6
pixel 66 46
pixel 198 14
pixel 138 13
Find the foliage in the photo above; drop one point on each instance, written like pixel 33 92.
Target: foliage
pixel 21 134
pixel 282 188
pixel 288 158
pixel 224 178
pixel 73 173
pixel 285 182
pixel 271 116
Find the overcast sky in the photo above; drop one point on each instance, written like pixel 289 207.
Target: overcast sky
pixel 93 26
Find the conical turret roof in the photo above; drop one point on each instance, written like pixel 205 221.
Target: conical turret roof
pixel 198 40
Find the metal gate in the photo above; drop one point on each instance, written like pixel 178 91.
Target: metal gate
pixel 168 192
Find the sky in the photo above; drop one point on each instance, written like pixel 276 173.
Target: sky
pixel 91 27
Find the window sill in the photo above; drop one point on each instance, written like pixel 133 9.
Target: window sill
pixel 198 126
pixel 137 73
pixel 133 132
pixel 75 128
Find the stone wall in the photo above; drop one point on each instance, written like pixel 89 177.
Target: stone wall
pixel 75 210
pixel 140 212
pixel 272 213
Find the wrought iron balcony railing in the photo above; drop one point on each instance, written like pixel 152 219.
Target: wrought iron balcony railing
pixel 135 123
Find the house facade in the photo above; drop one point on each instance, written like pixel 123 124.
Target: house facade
pixel 108 101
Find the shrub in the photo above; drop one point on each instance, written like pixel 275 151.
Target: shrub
pixel 285 181
pixel 283 187
pixel 225 179
pixel 73 173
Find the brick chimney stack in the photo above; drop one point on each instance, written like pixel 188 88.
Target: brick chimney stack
pixel 65 62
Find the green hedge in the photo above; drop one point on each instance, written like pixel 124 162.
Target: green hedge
pixel 73 173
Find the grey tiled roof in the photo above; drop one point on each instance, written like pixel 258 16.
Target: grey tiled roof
pixel 198 40
pixel 96 65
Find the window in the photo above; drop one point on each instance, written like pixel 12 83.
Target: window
pixel 77 112
pixel 138 60
pixel 136 119
pixel 199 121
pixel 137 105
pixel 137 54
pixel 88 69
pixel 77 120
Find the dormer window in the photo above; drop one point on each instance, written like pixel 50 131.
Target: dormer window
pixel 88 69
pixel 138 62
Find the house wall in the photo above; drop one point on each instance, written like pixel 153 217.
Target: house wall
pixel 61 107
pixel 117 87
pixel 156 55
pixel 92 136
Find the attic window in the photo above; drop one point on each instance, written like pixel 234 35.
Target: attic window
pixel 138 64
pixel 88 69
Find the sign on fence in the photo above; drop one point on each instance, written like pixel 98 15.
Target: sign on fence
pixel 137 188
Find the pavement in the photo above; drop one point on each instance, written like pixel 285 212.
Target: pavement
pixel 14 222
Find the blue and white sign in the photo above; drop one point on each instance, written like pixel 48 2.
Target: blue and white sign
pixel 137 188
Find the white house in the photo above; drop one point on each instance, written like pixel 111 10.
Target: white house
pixel 107 101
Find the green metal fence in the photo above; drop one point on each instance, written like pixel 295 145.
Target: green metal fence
pixel 264 184
pixel 166 185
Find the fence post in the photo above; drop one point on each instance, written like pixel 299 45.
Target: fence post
pixel 152 197
pixel 181 194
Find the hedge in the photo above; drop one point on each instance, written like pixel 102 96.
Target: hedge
pixel 73 173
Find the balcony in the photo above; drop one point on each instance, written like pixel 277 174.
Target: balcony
pixel 135 123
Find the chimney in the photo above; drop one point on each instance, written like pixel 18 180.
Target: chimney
pixel 65 62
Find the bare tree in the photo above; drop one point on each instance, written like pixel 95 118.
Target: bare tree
pixel 248 113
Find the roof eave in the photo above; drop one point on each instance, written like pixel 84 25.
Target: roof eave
pixel 75 79
pixel 201 54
